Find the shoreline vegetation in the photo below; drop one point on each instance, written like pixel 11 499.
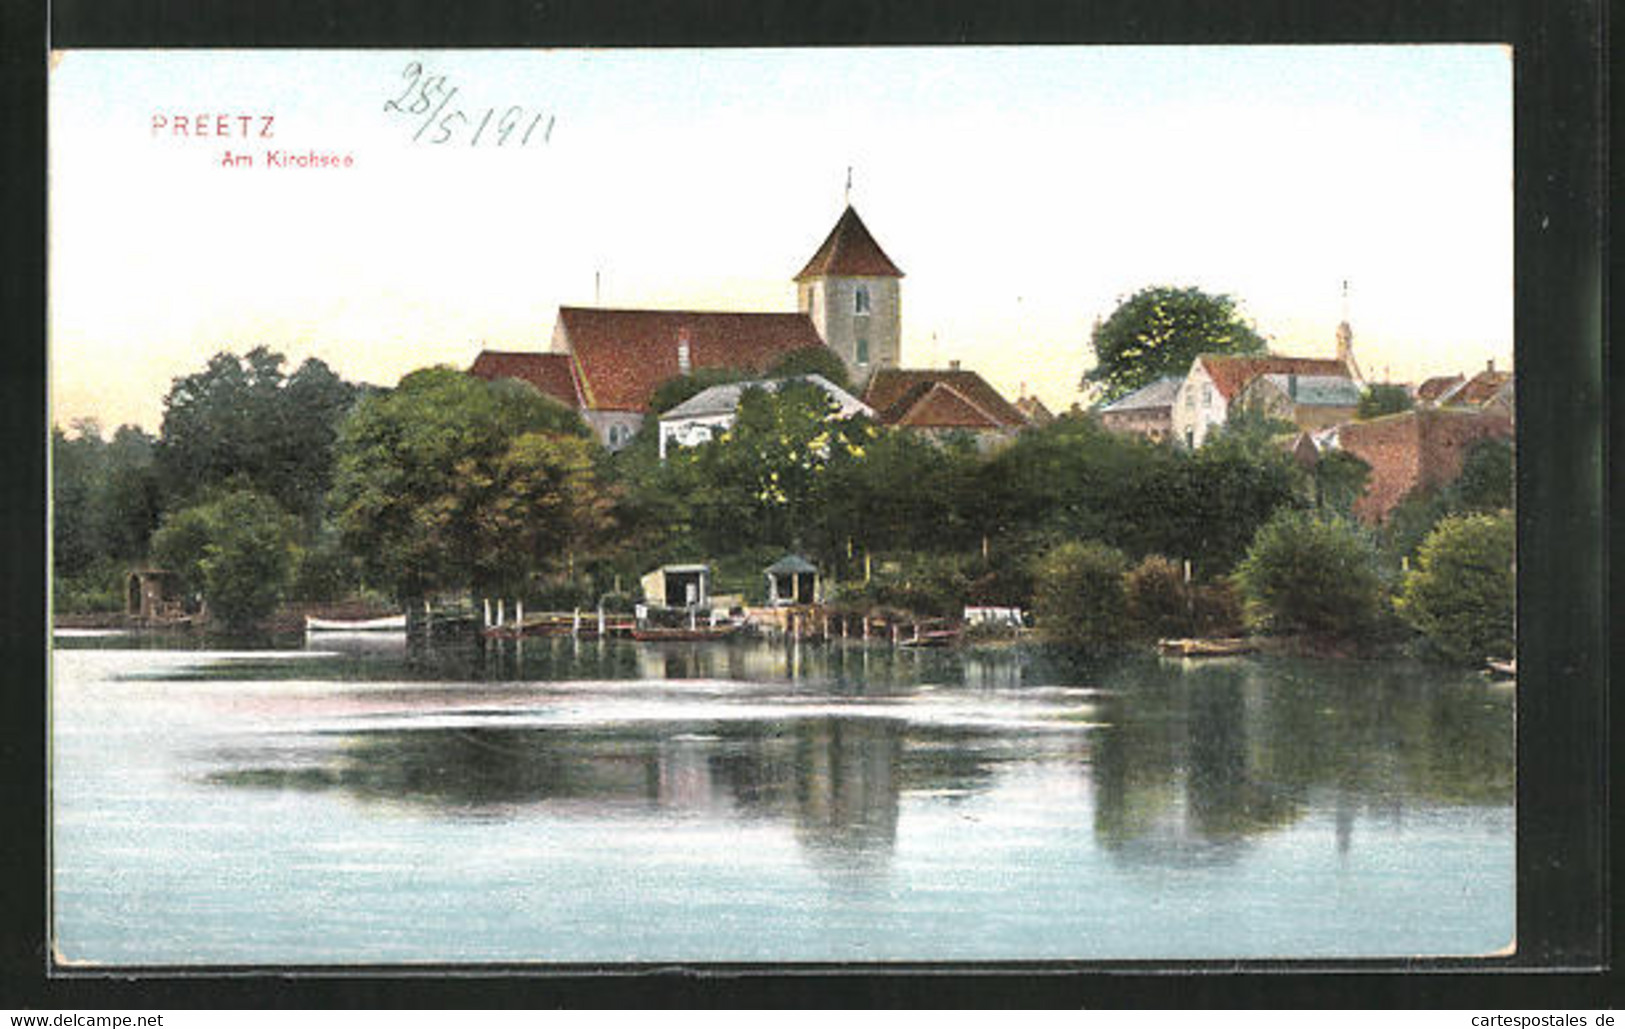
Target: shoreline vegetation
pixel 269 495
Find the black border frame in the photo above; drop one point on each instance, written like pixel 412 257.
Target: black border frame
pixel 1565 582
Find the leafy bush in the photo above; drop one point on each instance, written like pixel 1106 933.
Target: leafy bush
pixel 324 572
pixel 1158 598
pixel 1383 398
pixel 814 360
pixel 98 588
pixel 1216 610
pixel 1309 575
pixel 1078 594
pixel 239 550
pixel 1461 595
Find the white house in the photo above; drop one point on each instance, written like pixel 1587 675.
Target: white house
pixel 711 412
pixel 1216 380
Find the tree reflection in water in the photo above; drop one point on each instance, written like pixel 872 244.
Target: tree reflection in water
pixel 1200 758
pixel 1189 762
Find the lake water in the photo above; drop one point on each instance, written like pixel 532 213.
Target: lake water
pixel 354 803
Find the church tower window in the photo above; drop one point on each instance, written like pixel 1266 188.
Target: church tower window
pixel 863 350
pixel 860 300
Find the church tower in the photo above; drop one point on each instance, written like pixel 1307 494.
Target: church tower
pixel 1345 340
pixel 852 292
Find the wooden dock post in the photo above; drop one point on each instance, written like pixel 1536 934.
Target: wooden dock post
pixel 575 623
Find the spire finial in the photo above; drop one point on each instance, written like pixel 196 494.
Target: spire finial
pixel 849 185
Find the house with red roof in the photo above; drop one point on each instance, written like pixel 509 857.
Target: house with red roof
pixel 606 363
pixel 551 374
pixel 1215 381
pixel 940 402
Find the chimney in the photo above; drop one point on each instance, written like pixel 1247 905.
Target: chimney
pixel 1489 366
pixel 684 361
pixel 953 366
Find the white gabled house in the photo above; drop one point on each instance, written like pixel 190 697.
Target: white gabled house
pixel 1215 381
pixel 711 412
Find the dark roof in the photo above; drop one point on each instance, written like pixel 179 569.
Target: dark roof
pixel 621 356
pixel 1230 373
pixel 1148 398
pixel 1478 390
pixel 1034 410
pixel 849 250
pixel 1439 385
pixel 549 373
pixel 791 563
pixel 928 398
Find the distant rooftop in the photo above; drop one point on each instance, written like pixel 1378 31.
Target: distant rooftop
pixel 1158 394
pixel 724 399
pixel 1316 390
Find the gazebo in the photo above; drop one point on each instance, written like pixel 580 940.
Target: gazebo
pixel 792 579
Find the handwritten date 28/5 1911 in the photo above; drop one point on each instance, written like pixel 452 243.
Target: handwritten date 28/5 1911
pixel 429 101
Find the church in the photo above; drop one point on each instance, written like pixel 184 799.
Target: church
pixel 606 363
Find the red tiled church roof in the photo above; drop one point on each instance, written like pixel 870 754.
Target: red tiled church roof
pixel 549 373
pixel 849 250
pixel 622 356
pixel 1230 373
pixel 926 398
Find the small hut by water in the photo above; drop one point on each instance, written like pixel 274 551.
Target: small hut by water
pixel 153 593
pixel 678 586
pixel 792 579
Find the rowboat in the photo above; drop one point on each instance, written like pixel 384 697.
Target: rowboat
pixel 1206 647
pixel 391 623
pixel 658 634
pixel 932 638
pixel 1502 669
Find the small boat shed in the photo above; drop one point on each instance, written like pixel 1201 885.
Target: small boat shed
pixel 153 593
pixel 678 586
pixel 792 579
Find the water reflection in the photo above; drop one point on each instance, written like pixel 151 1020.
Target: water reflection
pixel 1187 763
pixel 836 781
pixel 1199 759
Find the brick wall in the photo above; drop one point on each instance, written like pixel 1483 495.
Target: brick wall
pixel 1423 448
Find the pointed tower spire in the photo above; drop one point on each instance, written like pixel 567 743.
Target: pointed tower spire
pixel 1345 339
pixel 851 291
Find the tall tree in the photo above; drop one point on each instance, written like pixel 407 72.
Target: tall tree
pixel 451 482
pixel 105 500
pixel 1159 331
pixel 242 420
pixel 771 478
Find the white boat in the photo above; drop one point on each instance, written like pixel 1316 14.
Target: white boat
pixel 392 623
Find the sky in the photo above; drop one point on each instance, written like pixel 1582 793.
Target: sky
pixel 1024 191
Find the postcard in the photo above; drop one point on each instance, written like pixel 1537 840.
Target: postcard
pixel 926 505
